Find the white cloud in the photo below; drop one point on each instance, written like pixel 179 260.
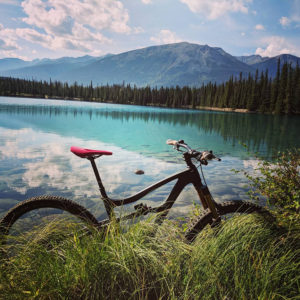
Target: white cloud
pixel 215 9
pixel 165 36
pixel 276 45
pixel 7 45
pixel 33 36
pixel 147 1
pixel 51 42
pixel 13 54
pixel 74 25
pixel 59 16
pixel 294 18
pixel 137 30
pixel 259 27
pixel 243 33
pixel 284 21
pixel 7 39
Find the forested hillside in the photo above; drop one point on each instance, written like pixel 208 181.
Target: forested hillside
pixel 253 92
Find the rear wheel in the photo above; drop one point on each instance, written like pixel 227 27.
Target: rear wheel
pixel 225 208
pixel 39 211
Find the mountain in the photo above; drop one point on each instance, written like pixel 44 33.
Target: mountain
pixel 12 63
pixel 271 63
pixel 71 60
pixel 8 64
pixel 44 69
pixel 166 65
pixel 252 59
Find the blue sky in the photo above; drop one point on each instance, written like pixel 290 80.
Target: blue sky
pixel 32 29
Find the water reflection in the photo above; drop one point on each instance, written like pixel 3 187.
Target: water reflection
pixel 34 163
pixel 223 132
pixel 35 137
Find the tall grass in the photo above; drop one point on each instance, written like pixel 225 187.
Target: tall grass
pixel 245 258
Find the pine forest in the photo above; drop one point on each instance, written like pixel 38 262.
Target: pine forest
pixel 256 93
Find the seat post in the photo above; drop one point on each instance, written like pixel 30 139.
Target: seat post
pixel 107 203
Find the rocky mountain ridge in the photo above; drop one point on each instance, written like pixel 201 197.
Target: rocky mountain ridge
pixel 166 65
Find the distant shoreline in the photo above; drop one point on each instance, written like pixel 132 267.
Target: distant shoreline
pixel 225 109
pixel 189 107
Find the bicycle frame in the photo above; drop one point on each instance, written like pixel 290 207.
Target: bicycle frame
pixel 211 215
pixel 188 176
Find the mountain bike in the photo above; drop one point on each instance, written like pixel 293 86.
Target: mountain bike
pixel 211 214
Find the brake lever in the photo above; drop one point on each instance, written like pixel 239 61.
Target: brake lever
pixel 208 155
pixel 203 162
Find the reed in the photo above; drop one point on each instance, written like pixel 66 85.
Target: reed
pixel 245 258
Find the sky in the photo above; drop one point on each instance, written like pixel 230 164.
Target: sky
pixel 31 29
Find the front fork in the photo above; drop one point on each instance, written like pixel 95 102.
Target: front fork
pixel 202 190
pixel 207 200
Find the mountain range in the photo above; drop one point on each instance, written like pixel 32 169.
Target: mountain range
pixel 166 65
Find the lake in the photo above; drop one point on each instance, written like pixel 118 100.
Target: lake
pixel 36 135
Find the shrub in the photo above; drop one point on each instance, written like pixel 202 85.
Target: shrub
pixel 279 182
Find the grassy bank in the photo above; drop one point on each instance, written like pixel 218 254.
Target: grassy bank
pixel 247 258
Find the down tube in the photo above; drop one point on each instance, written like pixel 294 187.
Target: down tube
pixel 177 189
pixel 149 189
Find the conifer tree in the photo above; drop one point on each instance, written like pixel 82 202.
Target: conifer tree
pixel 279 106
pixel 288 101
pixel 275 88
pixel 253 103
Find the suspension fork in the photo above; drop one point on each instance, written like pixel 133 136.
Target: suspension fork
pixel 205 195
pixel 202 190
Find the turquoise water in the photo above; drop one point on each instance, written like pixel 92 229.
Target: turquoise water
pixel 36 134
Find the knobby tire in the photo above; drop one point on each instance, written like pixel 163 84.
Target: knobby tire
pixel 228 207
pixel 44 202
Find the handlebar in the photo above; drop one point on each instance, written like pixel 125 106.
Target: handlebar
pixel 178 144
pixel 202 157
pixel 171 142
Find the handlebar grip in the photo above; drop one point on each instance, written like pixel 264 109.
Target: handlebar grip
pixel 171 142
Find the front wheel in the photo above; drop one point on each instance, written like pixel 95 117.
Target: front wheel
pixel 228 207
pixel 38 210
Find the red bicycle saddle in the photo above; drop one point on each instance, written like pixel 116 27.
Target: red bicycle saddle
pixel 86 153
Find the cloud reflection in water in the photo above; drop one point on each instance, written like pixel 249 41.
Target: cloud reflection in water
pixel 35 163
